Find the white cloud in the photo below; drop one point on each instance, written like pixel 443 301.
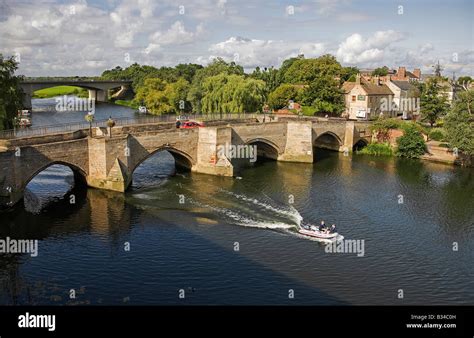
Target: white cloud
pixel 426 48
pixel 356 49
pixel 176 35
pixel 80 38
pixel 251 53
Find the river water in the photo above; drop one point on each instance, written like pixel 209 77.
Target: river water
pixel 232 240
pixel 46 114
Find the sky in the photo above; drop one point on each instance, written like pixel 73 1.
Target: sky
pixel 80 37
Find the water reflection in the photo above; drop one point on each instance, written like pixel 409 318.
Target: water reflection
pixel 190 243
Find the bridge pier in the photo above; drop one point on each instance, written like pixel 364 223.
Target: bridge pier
pixel 208 161
pixel 27 100
pixel 348 137
pixel 98 95
pixel 299 145
pixel 108 163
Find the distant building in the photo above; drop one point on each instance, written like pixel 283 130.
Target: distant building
pixel 368 99
pixel 291 108
pixel 403 75
pixel 396 75
pixel 406 99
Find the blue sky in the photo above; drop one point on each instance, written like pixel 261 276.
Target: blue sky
pixel 85 37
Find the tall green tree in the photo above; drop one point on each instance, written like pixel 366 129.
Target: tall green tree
pixel 325 95
pixel 459 123
pixel 270 76
pixel 187 70
pixel 225 93
pixel 349 74
pixel 216 67
pixel 139 73
pixel 433 102
pixel 161 97
pixel 304 71
pixel 279 98
pixel 381 71
pixel 11 95
pixel 285 65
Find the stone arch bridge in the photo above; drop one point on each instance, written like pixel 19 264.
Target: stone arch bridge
pixel 108 162
pixel 98 89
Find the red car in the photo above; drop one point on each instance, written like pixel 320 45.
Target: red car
pixel 191 124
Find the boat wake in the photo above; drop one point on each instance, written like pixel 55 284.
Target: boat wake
pixel 262 212
pixel 244 219
pixel 259 211
pixel 290 212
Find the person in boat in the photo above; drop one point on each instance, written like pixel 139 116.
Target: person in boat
pixel 322 226
pixel 178 124
pixel 333 229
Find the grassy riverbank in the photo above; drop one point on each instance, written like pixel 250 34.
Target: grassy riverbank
pixel 377 149
pixel 59 91
pixel 126 103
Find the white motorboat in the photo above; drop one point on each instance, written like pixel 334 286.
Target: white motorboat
pixel 322 235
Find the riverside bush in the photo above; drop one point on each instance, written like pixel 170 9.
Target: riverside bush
pixel 377 149
pixel 411 144
pixel 437 134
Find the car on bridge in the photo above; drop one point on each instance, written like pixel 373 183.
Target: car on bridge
pixel 191 124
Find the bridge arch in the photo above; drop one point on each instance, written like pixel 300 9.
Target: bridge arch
pixel 328 140
pixel 359 144
pixel 265 148
pixel 181 158
pixel 79 173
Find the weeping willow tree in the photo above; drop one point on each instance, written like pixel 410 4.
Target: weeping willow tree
pixel 161 97
pixel 233 94
pixel 11 95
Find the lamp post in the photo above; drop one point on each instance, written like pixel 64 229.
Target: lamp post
pixel 89 118
pixel 265 109
pixel 110 124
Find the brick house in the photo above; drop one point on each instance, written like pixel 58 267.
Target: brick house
pixel 367 99
pixel 406 97
pixel 403 75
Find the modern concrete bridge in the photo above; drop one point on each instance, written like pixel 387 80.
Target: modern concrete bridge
pixel 98 89
pixel 108 162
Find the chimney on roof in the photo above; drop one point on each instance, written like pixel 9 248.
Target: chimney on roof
pixel 358 79
pixel 376 80
pixel 401 72
pixel 417 72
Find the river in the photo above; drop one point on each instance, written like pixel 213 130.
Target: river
pixel 219 240
pixel 46 114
